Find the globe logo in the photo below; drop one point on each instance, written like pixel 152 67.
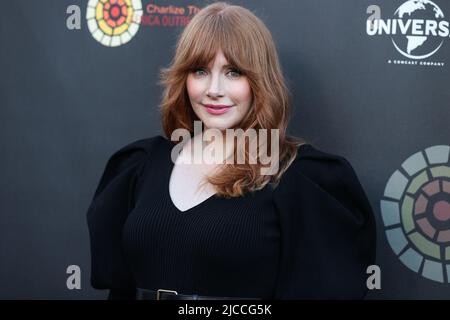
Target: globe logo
pixel 113 22
pixel 415 211
pixel 412 45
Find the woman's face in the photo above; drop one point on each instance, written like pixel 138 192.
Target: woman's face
pixel 220 95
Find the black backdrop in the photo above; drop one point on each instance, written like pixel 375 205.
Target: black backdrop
pixel 67 102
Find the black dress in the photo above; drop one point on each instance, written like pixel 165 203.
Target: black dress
pixel 311 237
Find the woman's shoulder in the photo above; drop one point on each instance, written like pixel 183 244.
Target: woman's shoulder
pixel 143 145
pixel 321 167
pixel 130 159
pixel 138 150
pixel 321 175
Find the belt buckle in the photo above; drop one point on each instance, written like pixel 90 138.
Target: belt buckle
pixel 158 292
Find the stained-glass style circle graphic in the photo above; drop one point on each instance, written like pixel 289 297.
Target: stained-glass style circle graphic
pixel 416 213
pixel 113 22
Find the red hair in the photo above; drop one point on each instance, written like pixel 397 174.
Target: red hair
pixel 247 44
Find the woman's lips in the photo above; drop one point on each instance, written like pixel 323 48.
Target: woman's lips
pixel 216 109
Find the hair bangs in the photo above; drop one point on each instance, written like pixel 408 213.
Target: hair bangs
pixel 247 46
pixel 218 33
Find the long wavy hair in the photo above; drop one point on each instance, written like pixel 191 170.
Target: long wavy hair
pixel 247 44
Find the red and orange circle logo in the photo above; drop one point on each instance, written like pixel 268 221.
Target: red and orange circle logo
pixel 113 22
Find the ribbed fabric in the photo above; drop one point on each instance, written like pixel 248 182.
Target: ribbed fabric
pixel 221 247
pixel 312 237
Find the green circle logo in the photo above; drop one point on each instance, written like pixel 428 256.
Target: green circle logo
pixel 415 210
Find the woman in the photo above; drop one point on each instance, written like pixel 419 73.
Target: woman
pixel 165 228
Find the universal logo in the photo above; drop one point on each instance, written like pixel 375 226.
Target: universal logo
pixel 417 30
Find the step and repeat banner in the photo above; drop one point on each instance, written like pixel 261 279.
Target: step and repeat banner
pixel 370 80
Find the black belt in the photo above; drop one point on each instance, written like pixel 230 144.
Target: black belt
pixel 164 294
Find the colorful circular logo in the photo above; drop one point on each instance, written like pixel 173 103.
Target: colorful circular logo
pixel 416 213
pixel 113 22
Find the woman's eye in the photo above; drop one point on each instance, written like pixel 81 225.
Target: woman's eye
pixel 199 72
pixel 235 73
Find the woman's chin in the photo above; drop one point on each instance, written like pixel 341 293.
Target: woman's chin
pixel 217 125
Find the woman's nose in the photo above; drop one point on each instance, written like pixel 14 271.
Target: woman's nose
pixel 215 87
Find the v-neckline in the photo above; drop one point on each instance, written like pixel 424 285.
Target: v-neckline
pixel 171 166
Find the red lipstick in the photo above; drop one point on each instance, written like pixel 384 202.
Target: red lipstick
pixel 217 109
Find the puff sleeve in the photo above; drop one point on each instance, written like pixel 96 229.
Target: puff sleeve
pixel 112 201
pixel 327 229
